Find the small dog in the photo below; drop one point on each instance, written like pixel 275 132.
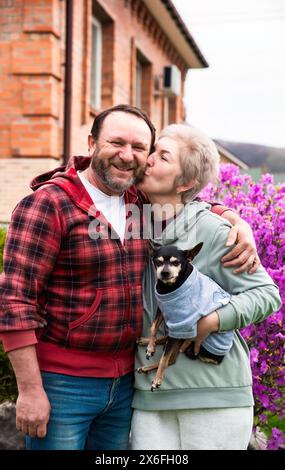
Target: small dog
pixel 178 283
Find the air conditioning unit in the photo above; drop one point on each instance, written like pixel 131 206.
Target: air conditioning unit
pixel 171 80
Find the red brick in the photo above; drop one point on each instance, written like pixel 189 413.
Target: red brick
pixel 42 16
pixel 32 137
pixel 40 96
pixel 37 55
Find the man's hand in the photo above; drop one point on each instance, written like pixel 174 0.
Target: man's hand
pixel 32 407
pixel 205 326
pixel 32 412
pixel 244 254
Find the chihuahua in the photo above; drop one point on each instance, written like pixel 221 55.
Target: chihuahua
pixel 184 295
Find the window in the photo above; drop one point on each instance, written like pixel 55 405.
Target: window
pixel 144 82
pixel 96 64
pixel 139 69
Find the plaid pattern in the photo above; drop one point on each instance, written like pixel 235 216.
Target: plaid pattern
pixel 90 290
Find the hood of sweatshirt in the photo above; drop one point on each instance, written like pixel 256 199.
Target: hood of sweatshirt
pixel 66 178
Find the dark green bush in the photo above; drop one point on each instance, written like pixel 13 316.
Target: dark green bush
pixel 8 386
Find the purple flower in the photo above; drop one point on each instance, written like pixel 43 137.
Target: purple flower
pixel 262 205
pixel 263 367
pixel 267 178
pixel 254 353
pixel 277 440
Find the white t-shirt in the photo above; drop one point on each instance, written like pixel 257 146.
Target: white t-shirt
pixel 112 207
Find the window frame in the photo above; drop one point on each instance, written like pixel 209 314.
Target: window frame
pixel 96 65
pixel 139 82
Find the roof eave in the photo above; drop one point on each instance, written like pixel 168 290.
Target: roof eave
pixel 175 29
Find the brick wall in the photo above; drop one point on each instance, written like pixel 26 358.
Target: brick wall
pixel 30 78
pixel 32 67
pixel 127 27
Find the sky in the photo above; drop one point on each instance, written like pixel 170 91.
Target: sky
pixel 241 96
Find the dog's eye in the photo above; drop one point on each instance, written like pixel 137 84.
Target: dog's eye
pixel 175 263
pixel 158 263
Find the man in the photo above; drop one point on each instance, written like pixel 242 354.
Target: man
pixel 70 302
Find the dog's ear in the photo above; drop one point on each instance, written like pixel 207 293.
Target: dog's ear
pixel 190 254
pixel 152 248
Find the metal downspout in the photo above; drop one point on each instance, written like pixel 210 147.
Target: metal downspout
pixel 68 81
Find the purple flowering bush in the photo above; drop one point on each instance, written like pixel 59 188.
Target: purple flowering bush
pixel 262 205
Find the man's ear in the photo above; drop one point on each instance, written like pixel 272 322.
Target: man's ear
pixel 190 254
pixel 91 143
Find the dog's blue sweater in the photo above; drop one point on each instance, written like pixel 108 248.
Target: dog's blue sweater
pixel 197 297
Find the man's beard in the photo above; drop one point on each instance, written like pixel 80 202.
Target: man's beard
pixel 102 169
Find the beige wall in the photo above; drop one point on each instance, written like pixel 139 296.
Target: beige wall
pixel 15 178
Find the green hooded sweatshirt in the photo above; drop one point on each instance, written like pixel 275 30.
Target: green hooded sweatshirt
pixel 190 383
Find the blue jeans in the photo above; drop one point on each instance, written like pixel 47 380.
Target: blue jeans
pixel 86 413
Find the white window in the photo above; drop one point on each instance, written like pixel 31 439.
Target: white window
pixel 96 64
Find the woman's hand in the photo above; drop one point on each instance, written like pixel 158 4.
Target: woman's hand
pixel 205 326
pixel 244 254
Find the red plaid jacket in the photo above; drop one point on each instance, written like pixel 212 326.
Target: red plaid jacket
pixel 90 290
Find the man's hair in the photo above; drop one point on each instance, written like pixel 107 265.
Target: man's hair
pixel 199 157
pixel 125 108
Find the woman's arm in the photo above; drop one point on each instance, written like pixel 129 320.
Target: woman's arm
pixel 254 297
pixel 244 254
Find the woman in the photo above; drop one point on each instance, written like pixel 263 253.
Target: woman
pixel 199 406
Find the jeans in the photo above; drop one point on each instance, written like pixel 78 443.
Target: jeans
pixel 86 413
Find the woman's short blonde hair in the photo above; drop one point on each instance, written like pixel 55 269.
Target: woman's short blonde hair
pixel 199 157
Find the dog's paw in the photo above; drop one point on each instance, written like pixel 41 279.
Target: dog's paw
pixel 155 384
pixel 149 352
pixel 208 360
pixel 141 370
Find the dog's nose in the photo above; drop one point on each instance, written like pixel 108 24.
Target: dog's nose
pixel 165 274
